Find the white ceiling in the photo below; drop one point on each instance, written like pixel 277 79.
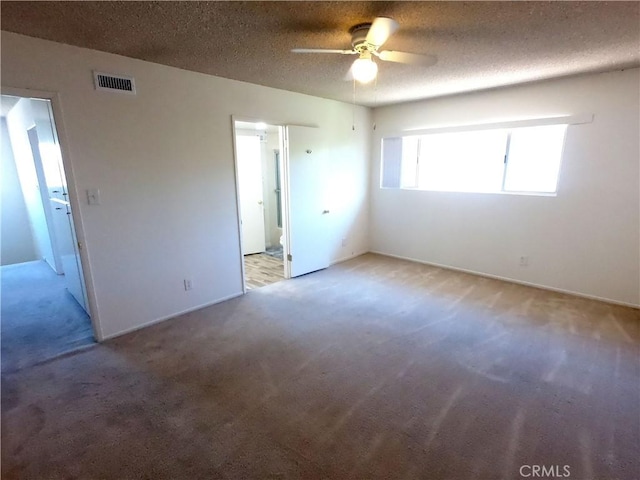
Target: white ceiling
pixel 479 45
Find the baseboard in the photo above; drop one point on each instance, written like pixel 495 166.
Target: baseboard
pixel 511 280
pixel 349 257
pixel 173 315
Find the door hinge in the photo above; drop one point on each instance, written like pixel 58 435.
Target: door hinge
pixel 79 246
pixel 289 257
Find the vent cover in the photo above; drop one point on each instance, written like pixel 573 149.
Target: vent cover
pixel 114 83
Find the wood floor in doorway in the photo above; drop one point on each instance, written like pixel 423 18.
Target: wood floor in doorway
pixel 261 269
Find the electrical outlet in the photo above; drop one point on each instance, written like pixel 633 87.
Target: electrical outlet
pixel 188 284
pixel 524 261
pixel 344 242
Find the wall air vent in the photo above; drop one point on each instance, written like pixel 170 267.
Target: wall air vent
pixel 114 83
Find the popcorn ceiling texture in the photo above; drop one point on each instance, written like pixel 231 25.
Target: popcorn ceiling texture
pixel 479 44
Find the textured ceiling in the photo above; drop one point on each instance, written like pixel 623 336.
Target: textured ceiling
pixel 478 44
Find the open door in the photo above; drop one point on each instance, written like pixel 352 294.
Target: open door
pixel 307 203
pixel 249 161
pixel 54 260
pixel 58 196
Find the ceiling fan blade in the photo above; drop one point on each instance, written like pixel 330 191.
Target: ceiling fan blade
pixel 322 50
pixel 409 58
pixel 381 29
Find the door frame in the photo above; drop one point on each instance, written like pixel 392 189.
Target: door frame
pixel 58 119
pixel 284 191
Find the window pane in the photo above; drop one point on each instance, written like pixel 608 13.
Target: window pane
pixel 534 159
pixel 391 162
pixel 409 170
pixel 463 162
pixel 399 162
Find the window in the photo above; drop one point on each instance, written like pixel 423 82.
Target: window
pixel 466 161
pixel 533 159
pixel 525 159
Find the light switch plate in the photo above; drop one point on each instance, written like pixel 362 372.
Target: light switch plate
pixel 93 196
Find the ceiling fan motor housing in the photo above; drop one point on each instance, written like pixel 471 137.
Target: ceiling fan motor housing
pixel 366 40
pixel 359 37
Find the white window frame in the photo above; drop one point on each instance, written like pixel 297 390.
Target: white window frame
pixel 567 120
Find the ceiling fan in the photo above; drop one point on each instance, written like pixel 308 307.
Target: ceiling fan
pixel 366 39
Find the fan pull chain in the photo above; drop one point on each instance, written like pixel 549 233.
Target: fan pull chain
pixel 353 107
pixel 375 96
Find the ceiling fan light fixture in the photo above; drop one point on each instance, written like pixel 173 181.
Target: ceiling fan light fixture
pixel 366 40
pixel 364 69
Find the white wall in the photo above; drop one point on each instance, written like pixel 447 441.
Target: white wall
pixel 48 148
pixel 164 165
pixel 15 237
pixel 19 121
pixel 584 240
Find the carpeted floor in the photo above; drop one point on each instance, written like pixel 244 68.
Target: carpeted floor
pixel 40 318
pixel 375 368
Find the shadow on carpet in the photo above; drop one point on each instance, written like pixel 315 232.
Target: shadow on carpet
pixel 40 318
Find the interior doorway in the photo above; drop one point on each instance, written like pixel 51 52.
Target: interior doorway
pixel 284 182
pixel 259 167
pixel 44 301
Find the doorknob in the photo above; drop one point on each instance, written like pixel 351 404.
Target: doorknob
pixel 259 202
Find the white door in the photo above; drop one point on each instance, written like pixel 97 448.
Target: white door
pixel 54 260
pixel 73 266
pixel 307 201
pixel 56 180
pixel 249 161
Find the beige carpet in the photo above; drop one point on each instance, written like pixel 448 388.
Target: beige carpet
pixel 372 369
